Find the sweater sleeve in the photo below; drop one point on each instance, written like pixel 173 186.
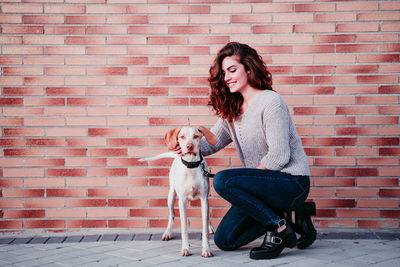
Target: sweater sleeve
pixel 276 120
pixel 223 139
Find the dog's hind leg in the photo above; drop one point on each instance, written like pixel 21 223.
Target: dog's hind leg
pixel 171 201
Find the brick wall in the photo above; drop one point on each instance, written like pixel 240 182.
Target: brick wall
pixel 90 86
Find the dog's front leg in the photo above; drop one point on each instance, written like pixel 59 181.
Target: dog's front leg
pixel 171 200
pixel 184 231
pixel 206 251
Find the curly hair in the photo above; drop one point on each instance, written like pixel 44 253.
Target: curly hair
pixel 226 104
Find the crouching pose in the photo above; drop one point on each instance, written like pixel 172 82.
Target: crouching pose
pixel 268 194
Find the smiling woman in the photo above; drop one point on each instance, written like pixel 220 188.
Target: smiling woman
pixel 275 178
pixel 236 68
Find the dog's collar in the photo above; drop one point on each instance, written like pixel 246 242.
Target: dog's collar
pixel 193 164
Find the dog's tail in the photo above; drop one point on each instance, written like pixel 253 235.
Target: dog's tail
pixel 160 156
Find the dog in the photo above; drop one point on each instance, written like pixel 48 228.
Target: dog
pixel 188 179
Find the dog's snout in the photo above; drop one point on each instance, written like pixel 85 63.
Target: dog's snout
pixel 190 146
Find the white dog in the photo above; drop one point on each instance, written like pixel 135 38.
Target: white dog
pixel 188 179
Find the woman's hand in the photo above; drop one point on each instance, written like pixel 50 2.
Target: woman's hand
pixel 261 167
pixel 178 150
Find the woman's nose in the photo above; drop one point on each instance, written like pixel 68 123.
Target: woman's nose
pixel 226 77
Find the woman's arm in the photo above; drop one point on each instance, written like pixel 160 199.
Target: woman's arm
pixel 222 139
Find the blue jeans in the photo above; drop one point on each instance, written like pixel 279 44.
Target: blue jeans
pixel 259 198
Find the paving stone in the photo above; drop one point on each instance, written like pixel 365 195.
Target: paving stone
pixel 56 239
pixel 73 239
pixel 24 240
pixel 125 237
pixel 39 240
pixel 142 237
pixel 111 237
pixel 91 238
pixel 6 240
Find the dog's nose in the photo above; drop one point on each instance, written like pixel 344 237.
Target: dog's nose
pixel 189 147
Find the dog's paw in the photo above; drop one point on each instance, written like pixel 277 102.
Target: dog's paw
pixel 186 252
pixel 207 254
pixel 166 237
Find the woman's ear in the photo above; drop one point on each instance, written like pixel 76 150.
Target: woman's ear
pixel 171 138
pixel 210 137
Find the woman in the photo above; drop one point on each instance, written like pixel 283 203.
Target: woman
pixel 274 180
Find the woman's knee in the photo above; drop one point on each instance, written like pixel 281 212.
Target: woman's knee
pixel 221 241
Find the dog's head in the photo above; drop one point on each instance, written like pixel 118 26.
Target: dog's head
pixel 188 138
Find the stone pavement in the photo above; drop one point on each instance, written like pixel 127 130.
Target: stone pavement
pixel 330 249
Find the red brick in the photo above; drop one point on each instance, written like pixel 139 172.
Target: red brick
pixel 356 192
pixel 86 202
pixel 389 192
pixel 270 29
pixel 378 224
pixel 356 131
pixel 23 29
pixel 11 182
pixel 377 203
pixel 395 151
pixel 372 27
pixel 337 182
pixel 43 203
pixel 44 224
pixel 85 19
pixel 335 162
pixel 74 152
pixel 335 203
pixel 127 203
pixel 357 213
pixel 389 89
pixel 107 172
pixel 28 193
pixel 10 224
pixel 390 213
pixel 106 132
pixel 127 223
pixel 23 152
pixel 322 192
pixel 378 161
pixel 111 152
pixel 86 223
pixel 389 171
pixel 378 141
pixel 66 192
pixel 24 214
pixel 339 38
pixel 11 142
pixel 148 213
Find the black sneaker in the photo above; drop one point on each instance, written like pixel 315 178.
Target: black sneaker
pixel 274 243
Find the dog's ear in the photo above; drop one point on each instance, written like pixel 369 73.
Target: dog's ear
pixel 210 137
pixel 171 138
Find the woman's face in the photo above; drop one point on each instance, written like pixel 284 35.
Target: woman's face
pixel 235 75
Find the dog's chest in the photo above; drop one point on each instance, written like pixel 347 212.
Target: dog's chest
pixel 188 182
pixel 192 184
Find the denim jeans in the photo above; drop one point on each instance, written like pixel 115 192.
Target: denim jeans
pixel 259 198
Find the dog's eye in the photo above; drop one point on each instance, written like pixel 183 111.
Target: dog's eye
pixel 196 136
pixel 182 137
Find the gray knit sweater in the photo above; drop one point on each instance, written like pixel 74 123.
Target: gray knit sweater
pixel 264 134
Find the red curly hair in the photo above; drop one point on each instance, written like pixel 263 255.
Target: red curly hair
pixel 225 104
